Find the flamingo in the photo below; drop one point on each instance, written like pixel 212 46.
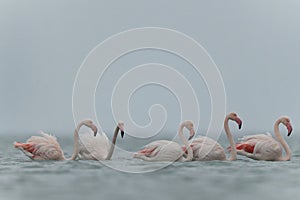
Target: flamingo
pixel 207 149
pixel 165 150
pixel 46 147
pixel 99 148
pixel 264 146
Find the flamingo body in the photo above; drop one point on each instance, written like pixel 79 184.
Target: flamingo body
pixel 260 147
pixel 40 148
pixel 264 146
pixel 207 149
pixel 164 150
pixel 161 150
pixel 200 144
pixel 93 148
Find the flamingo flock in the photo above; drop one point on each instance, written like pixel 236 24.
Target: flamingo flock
pixel 96 146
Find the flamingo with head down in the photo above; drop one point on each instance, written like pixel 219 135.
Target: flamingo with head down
pixel 207 149
pixel 46 147
pixel 264 146
pixel 99 148
pixel 164 150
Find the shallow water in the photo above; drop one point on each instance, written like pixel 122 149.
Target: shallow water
pixel 244 178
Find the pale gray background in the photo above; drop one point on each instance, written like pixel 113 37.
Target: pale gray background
pixel 255 44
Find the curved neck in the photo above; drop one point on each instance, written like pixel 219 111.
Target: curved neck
pixel 113 142
pixel 76 139
pixel 230 139
pixel 188 147
pixel 282 142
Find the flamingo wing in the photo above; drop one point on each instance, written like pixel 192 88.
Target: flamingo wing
pixel 256 137
pixel 93 147
pixel 148 150
pixel 156 144
pixel 161 150
pixel 43 147
pixel 247 147
pixel 248 143
pixel 207 149
pixel 260 147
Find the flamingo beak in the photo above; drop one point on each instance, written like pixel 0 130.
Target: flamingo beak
pixel 95 130
pixel 289 128
pixel 121 127
pixel 239 122
pixel 192 133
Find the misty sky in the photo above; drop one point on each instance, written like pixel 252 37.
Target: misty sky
pixel 255 45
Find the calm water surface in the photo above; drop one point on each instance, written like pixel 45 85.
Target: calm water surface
pixel 245 179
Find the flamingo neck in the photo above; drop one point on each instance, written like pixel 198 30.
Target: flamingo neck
pixel 76 143
pixel 282 142
pixel 184 141
pixel 230 139
pixel 113 142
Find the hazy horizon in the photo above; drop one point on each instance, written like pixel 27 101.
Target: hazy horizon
pixel 255 45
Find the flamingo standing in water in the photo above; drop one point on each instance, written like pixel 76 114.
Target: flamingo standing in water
pixel 46 147
pixel 164 150
pixel 207 149
pixel 98 148
pixel 264 146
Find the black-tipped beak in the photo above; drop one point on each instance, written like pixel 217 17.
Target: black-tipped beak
pixel 95 130
pixel 289 128
pixel 240 125
pixel 122 134
pixel 239 122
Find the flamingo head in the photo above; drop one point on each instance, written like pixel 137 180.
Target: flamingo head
pixel 89 123
pixel 190 126
pixel 287 122
pixel 121 127
pixel 233 116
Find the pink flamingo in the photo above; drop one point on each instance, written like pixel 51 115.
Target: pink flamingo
pixel 264 146
pixel 207 149
pixel 164 150
pixel 99 147
pixel 46 147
